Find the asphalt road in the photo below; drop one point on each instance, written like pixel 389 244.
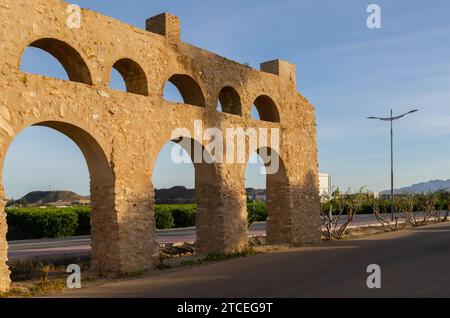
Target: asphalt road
pixel 80 245
pixel 414 263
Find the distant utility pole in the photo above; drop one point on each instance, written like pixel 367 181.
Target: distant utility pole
pixel 391 119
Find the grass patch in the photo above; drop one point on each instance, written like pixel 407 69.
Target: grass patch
pixel 48 287
pixel 25 270
pixel 36 288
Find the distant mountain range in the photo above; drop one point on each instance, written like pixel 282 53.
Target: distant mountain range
pixel 174 195
pixel 183 195
pixel 423 187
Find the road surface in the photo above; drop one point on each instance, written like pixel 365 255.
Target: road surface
pixel 414 263
pixel 81 245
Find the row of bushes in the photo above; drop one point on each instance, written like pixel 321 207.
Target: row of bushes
pixel 366 207
pixel 50 222
pixel 169 216
pixel 183 215
pixel 441 201
pixel 34 223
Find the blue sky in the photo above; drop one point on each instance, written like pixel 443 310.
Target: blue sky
pixel 346 70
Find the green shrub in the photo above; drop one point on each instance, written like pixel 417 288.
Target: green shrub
pixel 366 208
pixel 84 220
pixel 184 215
pixel 256 211
pixel 164 218
pixel 34 223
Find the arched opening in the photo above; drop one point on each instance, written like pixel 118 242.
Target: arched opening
pixel 187 88
pixel 264 108
pixel 268 193
pixel 229 101
pixel 71 61
pixel 186 193
pixel 133 76
pixel 67 188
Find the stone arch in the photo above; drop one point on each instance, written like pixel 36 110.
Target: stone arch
pixel 267 109
pixel 96 159
pixel 189 89
pixel 133 76
pixel 230 101
pixel 74 64
pixel 104 227
pixel 207 194
pixel 279 223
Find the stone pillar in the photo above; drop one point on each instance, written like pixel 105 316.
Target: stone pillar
pixel 137 228
pixel 123 225
pixel 4 271
pixel 293 214
pixel 305 212
pixel 132 246
pixel 221 211
pixel 293 205
pixel 279 210
pixel 104 226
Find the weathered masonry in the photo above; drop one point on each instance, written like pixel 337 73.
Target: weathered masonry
pixel 121 133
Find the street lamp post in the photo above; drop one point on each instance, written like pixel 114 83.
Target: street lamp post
pixel 391 119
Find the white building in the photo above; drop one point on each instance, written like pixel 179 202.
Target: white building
pixel 325 185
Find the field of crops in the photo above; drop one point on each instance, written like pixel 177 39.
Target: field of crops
pixel 50 222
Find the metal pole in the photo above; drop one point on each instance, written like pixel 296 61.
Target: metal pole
pixel 391 119
pixel 392 170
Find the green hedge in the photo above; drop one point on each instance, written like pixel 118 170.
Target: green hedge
pixel 34 223
pixel 164 219
pixel 183 214
pixel 84 220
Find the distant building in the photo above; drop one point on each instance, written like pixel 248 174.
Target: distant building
pixel 256 195
pixel 81 202
pixel 375 195
pixel 325 185
pixel 260 197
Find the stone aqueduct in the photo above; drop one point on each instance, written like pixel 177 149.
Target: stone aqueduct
pixel 121 133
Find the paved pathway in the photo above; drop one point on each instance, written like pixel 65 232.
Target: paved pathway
pixel 414 263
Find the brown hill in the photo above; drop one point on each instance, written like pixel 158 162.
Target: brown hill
pixel 50 197
pixel 183 195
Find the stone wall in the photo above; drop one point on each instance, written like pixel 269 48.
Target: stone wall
pixel 122 133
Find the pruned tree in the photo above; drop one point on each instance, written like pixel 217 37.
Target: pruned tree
pixel 403 207
pixel 342 207
pixel 443 206
pixel 330 216
pixel 447 210
pixel 427 205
